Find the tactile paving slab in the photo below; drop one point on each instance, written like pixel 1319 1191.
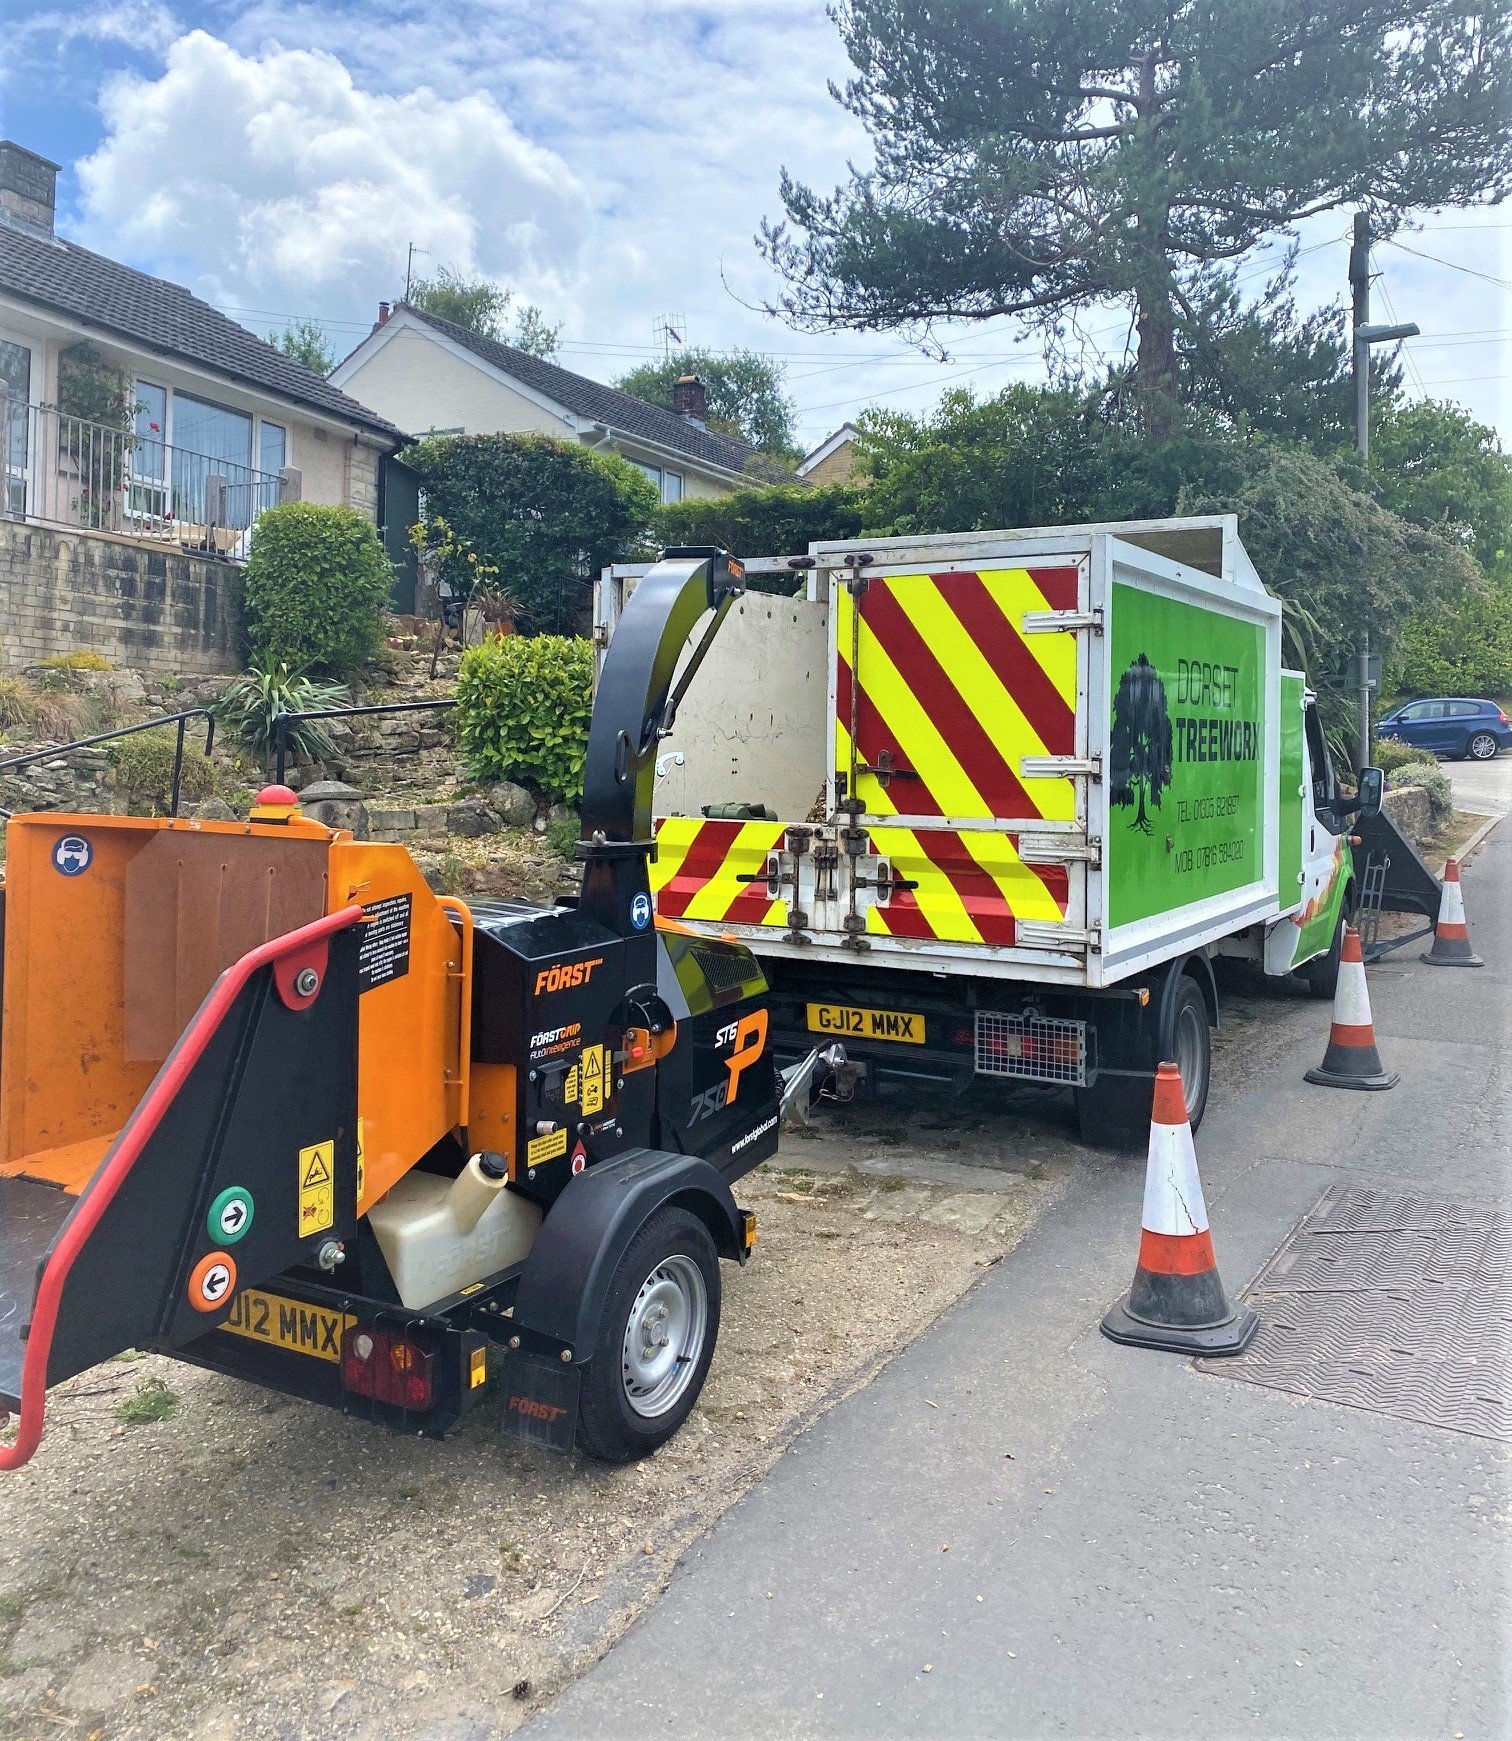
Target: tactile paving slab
pixel 1391 1302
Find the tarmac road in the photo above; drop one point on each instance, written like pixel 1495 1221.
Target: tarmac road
pixel 1485 787
pixel 1020 1529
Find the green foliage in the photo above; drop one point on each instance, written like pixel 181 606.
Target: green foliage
pixel 781 521
pixel 94 390
pixel 745 391
pixel 17 701
pixel 1418 769
pixel 523 705
pixel 1435 465
pixel 314 589
pixel 1390 756
pixel 480 305
pixel 1048 156
pixel 546 514
pixel 305 341
pixel 144 766
pixel 1463 646
pixel 251 705
pixel 152 1401
pixel 77 659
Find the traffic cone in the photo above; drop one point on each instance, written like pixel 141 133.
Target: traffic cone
pixel 1451 936
pixel 1351 1060
pixel 1177 1302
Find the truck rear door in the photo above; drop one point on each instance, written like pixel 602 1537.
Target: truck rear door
pixel 957 730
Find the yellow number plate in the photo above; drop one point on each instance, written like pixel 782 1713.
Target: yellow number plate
pixel 291 1324
pixel 854 1024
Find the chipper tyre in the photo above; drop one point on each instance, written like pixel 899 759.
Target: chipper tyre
pixel 655 1340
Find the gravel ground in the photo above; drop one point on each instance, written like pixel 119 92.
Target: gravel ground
pixel 257 1567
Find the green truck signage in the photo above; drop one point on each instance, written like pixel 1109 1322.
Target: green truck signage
pixel 1186 754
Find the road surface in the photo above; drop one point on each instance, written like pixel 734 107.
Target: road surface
pixel 1485 787
pixel 1020 1529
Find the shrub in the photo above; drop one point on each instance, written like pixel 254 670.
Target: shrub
pixel 544 515
pixel 251 706
pixel 314 589
pixel 77 659
pixel 1462 646
pixel 1404 765
pixel 57 715
pixel 18 701
pixel 523 704
pixel 144 766
pixel 781 521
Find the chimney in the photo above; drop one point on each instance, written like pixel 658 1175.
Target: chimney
pixel 28 186
pixel 690 398
pixel 383 312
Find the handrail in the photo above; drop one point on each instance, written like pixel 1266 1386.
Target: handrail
pixel 282 721
pixel 124 1155
pixel 124 731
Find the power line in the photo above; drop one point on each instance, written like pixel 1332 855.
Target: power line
pixel 1453 265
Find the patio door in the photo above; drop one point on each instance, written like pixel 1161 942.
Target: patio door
pixel 15 398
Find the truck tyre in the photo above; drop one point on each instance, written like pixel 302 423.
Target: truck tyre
pixel 655 1339
pixel 1321 974
pixel 1115 1111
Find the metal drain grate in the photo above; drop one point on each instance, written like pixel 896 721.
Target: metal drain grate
pixel 1395 1303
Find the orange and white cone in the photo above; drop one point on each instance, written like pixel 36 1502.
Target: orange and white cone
pixel 1451 936
pixel 1351 1060
pixel 1177 1302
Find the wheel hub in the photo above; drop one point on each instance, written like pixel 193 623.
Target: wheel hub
pixel 664 1336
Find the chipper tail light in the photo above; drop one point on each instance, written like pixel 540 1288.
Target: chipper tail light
pixel 388 1366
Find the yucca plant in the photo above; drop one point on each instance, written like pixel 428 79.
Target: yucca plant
pixel 250 709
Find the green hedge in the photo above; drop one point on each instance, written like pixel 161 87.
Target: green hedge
pixel 314 589
pixel 780 521
pixel 1462 646
pixel 523 705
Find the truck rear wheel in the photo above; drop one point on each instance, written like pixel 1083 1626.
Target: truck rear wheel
pixel 1115 1111
pixel 655 1340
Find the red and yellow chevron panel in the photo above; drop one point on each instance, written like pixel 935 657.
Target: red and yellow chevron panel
pixel 942 681
pixel 972 886
pixel 698 866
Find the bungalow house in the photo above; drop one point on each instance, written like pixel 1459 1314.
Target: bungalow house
pixel 430 375
pixel 834 460
pixel 142 432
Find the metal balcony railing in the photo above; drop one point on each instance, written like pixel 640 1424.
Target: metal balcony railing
pixel 66 471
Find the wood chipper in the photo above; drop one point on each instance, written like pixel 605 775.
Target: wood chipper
pixel 270 1106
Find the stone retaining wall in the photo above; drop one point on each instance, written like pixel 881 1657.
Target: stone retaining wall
pixel 146 606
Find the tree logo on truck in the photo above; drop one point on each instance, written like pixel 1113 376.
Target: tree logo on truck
pixel 1139 750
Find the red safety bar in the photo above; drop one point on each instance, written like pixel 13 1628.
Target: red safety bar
pixel 310 939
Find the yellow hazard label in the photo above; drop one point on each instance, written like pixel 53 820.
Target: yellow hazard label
pixel 550 1147
pixel 317 1188
pixel 593 1080
pixel 361 1165
pixel 573 1086
pixel 477 1368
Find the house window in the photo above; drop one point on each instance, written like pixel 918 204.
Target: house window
pixel 272 447
pixel 669 485
pixel 15 395
pixel 149 453
pixel 212 441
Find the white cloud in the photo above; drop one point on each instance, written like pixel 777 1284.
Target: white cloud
pixel 271 177
pixel 143 24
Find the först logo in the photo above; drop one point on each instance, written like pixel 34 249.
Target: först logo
pixel 565 974
pixel 538 1411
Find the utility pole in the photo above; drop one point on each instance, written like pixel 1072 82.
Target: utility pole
pixel 1365 335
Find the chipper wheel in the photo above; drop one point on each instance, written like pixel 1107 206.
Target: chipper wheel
pixel 655 1341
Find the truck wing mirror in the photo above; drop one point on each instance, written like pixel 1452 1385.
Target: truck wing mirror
pixel 1371 790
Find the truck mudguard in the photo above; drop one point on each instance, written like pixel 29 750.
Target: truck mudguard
pixel 1200 969
pixel 587 1229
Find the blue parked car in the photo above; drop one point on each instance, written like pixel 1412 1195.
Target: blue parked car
pixel 1454 727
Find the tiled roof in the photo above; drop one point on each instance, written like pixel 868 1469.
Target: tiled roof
pixel 622 412
pixel 110 297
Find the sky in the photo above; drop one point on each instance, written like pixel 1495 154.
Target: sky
pixel 610 160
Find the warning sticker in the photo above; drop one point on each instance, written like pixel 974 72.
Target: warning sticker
pixel 573 1088
pixel 384 950
pixel 550 1147
pixel 317 1188
pixel 361 1164
pixel 593 1080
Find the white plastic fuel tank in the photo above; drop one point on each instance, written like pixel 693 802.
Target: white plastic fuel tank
pixel 439 1235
